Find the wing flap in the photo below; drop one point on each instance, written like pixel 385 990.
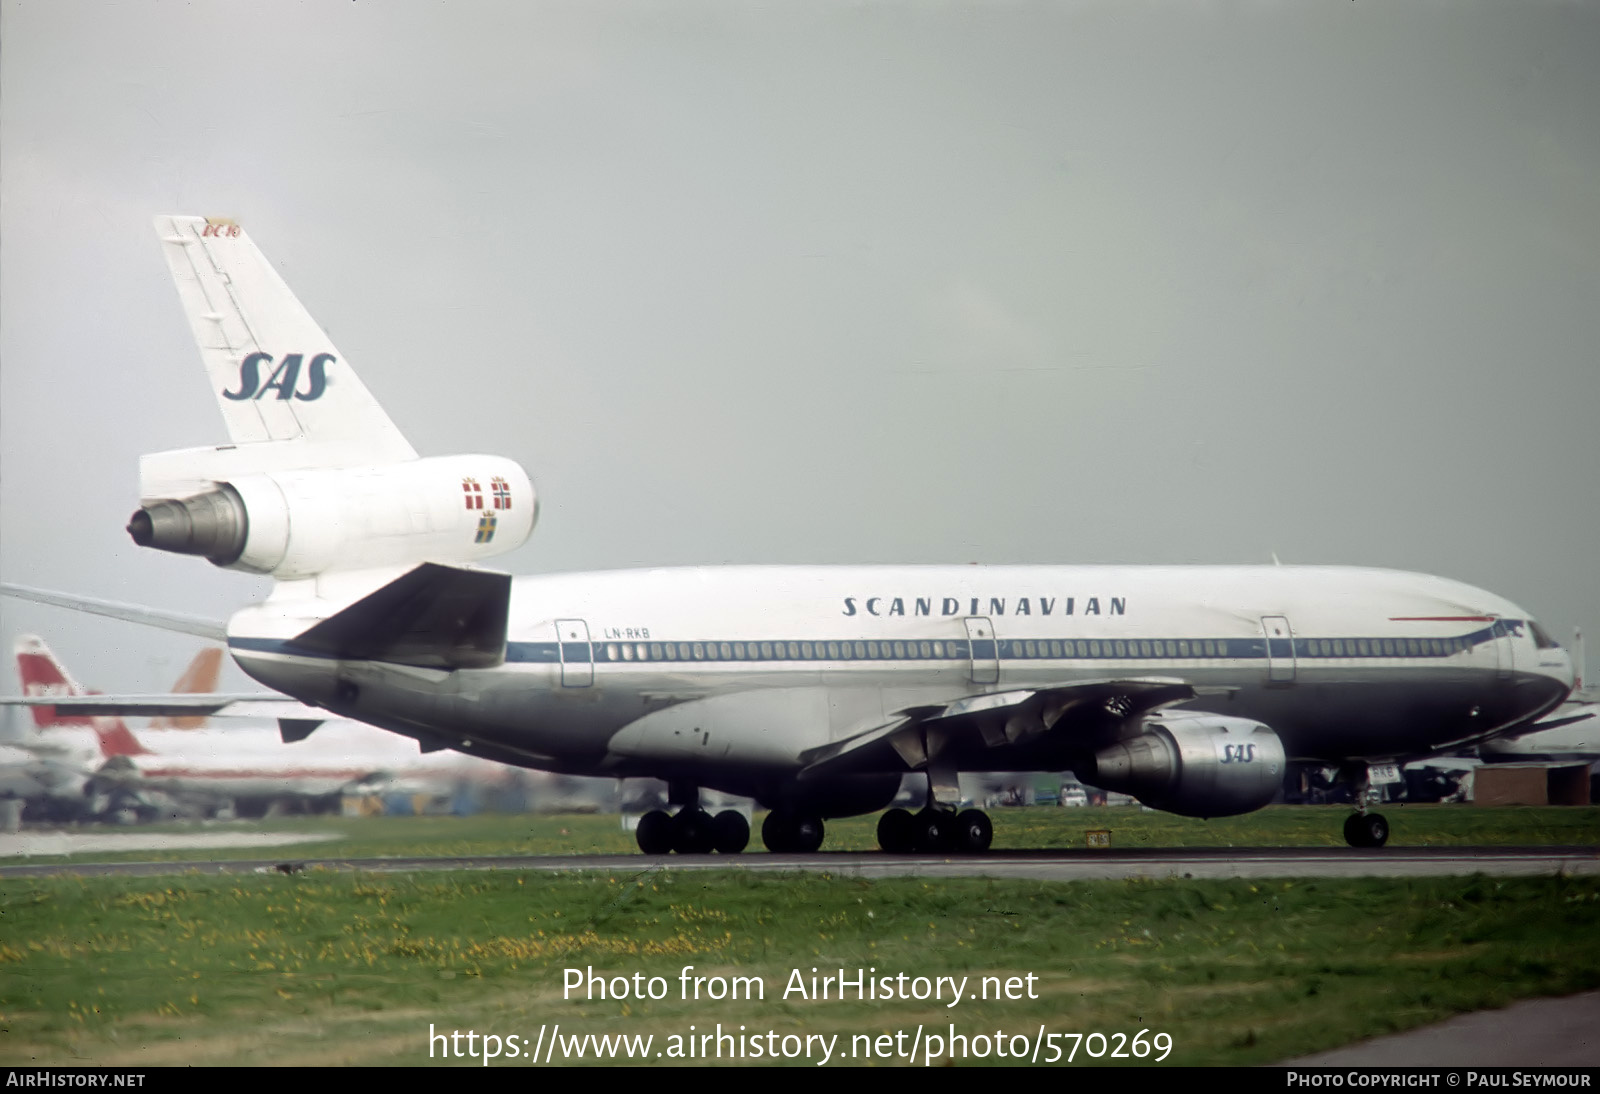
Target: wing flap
pixel 999 719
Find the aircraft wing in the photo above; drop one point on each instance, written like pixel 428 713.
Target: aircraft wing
pixel 1002 718
pixel 254 705
pixel 212 629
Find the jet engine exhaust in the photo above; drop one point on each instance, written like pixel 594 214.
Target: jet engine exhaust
pixel 213 524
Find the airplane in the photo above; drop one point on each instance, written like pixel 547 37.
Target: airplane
pixel 811 689
pixel 1571 734
pixel 245 771
pixel 53 769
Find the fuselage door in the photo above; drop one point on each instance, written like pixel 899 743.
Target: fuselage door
pixel 983 649
pixel 577 655
pixel 1280 649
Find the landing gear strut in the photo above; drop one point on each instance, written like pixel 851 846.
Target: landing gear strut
pixel 691 831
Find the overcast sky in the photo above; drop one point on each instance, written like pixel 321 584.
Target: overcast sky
pixel 836 282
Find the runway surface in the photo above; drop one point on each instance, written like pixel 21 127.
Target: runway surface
pixel 1078 865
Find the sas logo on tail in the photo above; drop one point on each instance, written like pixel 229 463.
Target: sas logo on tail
pixel 283 379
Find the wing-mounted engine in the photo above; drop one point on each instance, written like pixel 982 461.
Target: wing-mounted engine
pixel 1195 765
pixel 297 523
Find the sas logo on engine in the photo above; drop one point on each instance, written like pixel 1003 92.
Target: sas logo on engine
pixel 284 379
pixel 1239 754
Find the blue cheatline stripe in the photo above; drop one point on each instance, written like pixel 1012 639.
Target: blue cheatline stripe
pixel 1009 649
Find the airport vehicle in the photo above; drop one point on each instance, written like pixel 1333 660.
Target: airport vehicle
pixel 812 689
pixel 194 770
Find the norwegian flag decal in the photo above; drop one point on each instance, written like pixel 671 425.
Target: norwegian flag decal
pixel 502 492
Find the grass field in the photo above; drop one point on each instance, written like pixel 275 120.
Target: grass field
pixel 323 967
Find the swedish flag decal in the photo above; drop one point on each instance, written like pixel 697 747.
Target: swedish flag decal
pixel 486 525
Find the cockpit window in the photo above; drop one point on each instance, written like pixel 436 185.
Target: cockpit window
pixel 1541 639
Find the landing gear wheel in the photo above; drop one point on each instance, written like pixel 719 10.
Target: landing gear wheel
pixel 973 832
pixel 730 832
pixel 1366 830
pixel 775 833
pixel 897 832
pixel 808 834
pixel 792 833
pixel 654 833
pixel 692 832
pixel 935 830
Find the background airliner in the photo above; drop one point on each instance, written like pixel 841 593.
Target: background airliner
pixel 811 689
pixel 179 766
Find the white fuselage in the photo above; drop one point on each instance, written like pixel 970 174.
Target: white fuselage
pixel 731 676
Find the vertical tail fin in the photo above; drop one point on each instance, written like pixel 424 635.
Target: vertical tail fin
pixel 198 679
pixel 275 374
pixel 43 675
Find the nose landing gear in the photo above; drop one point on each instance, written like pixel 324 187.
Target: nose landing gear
pixel 1366 830
pixel 1361 828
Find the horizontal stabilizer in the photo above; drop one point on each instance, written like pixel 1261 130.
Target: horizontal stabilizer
pixel 437 617
pixel 249 705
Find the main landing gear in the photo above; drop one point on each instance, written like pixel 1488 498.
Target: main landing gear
pixel 790 832
pixel 692 830
pixel 937 827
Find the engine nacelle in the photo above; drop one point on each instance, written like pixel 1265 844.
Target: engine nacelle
pixel 1195 765
pixel 300 523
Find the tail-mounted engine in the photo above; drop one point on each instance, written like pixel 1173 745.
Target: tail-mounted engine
pixel 299 523
pixel 1195 765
